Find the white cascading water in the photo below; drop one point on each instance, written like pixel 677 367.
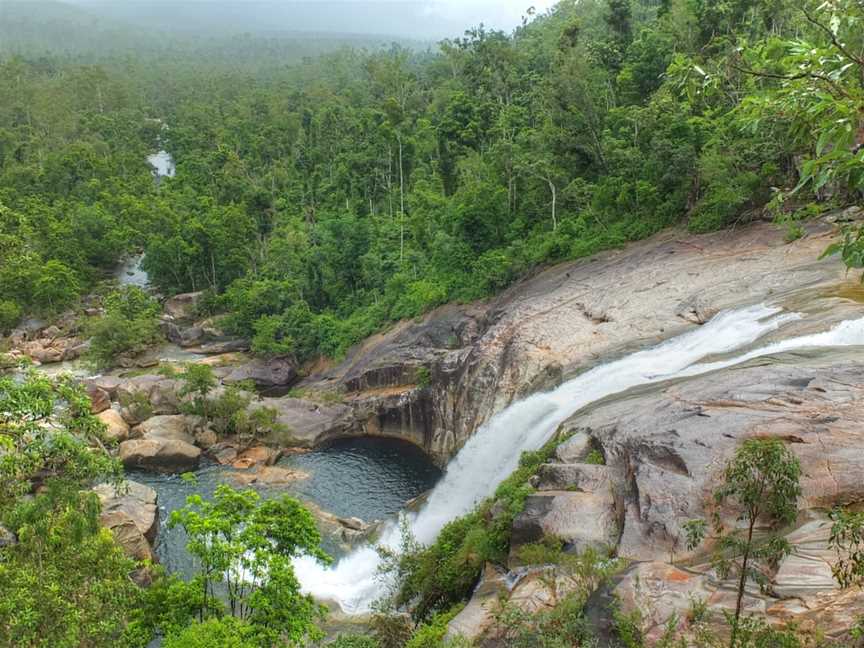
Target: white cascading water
pixel 493 452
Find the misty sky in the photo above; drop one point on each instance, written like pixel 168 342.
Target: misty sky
pixel 502 14
pixel 409 18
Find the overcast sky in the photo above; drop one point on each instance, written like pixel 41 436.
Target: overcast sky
pixel 409 18
pixel 502 14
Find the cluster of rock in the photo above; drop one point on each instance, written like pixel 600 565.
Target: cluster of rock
pixel 44 343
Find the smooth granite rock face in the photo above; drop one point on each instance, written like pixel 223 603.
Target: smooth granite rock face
pixel 435 379
pixel 134 500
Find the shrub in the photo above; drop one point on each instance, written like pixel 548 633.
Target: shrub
pixel 130 324
pixel 10 314
pixel 225 632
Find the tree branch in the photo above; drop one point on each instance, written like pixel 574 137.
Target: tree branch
pixel 833 37
pixel 793 77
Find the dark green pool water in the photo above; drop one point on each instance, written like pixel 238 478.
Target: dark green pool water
pixel 369 478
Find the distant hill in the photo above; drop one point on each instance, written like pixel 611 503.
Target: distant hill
pixel 410 20
pixel 228 33
pixel 43 26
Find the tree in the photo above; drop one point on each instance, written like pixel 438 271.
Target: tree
pixel 64 582
pixel 198 380
pixel 56 287
pixel 246 545
pixel 130 324
pixel 847 540
pixel 762 482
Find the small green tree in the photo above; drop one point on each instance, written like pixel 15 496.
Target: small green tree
pixel 245 546
pixel 56 287
pixel 255 424
pixel 130 324
pixel 198 380
pixel 762 481
pixel 847 539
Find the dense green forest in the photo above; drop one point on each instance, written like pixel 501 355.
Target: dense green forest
pixel 319 201
pixel 319 198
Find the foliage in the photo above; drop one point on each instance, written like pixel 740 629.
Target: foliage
pixel 64 582
pixel 562 625
pixel 225 632
pixel 198 380
pixel 246 546
pixel 847 540
pixel 130 325
pixel 436 577
pixel 318 202
pixel 628 628
pixel 47 433
pixel 762 480
pixel 354 641
pixel 595 457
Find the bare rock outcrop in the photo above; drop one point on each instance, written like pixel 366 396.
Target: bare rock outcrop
pixel 436 379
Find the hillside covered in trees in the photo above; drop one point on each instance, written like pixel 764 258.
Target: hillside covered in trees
pixel 321 200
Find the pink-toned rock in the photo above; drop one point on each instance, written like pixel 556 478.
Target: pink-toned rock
pixel 257 455
pixel 223 452
pixel 99 399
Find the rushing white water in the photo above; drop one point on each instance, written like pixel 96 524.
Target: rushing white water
pixel 162 163
pixel 492 453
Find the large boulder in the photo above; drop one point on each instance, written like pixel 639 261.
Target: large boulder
pixel 135 500
pixel 116 429
pixel 479 614
pixel 144 396
pixel 667 446
pixel 581 520
pixel 99 398
pixel 183 306
pixel 272 372
pixel 575 449
pixel 160 455
pixel 43 351
pixel 307 423
pixel 165 426
pixel 108 384
pixel 127 534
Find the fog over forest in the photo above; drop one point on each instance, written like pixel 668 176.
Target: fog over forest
pixel 426 20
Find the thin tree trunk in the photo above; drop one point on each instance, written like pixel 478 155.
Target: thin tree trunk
pixel 401 204
pixel 554 203
pixel 742 583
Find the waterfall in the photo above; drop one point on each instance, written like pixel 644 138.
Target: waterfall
pixel 162 163
pixel 492 453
